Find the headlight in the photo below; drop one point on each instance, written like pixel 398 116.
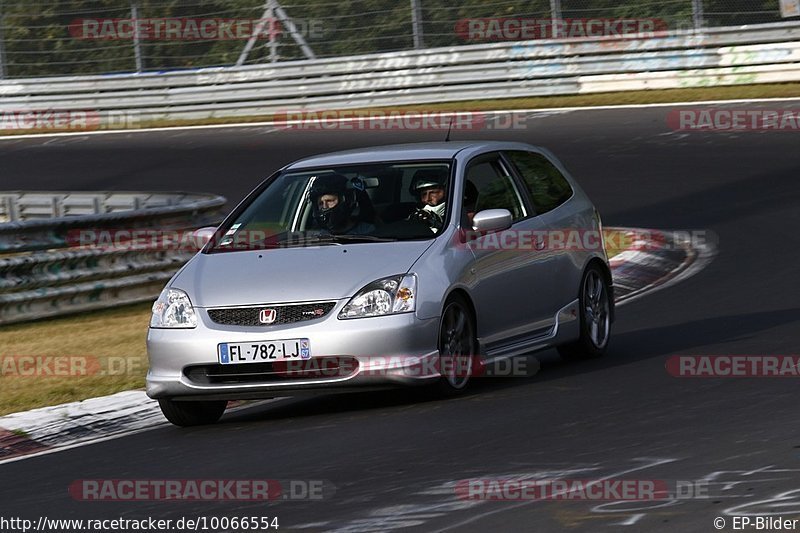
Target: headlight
pixel 386 296
pixel 173 309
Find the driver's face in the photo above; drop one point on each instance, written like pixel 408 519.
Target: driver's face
pixel 432 197
pixel 327 201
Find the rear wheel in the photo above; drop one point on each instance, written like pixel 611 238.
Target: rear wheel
pixel 595 317
pixel 458 346
pixel 192 413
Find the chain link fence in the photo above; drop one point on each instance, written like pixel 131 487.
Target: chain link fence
pixel 62 37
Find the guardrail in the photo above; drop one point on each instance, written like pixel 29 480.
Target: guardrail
pixel 764 53
pixel 47 269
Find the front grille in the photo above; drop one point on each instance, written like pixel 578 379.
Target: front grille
pixel 284 314
pixel 283 371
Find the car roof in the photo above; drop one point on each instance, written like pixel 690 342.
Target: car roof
pixel 401 152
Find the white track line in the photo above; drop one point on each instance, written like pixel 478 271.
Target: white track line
pixel 504 509
pixel 495 112
pixel 56 449
pixel 123 433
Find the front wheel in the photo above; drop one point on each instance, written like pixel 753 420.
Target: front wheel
pixel 192 413
pixel 595 317
pixel 458 346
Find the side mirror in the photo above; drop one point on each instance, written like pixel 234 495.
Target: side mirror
pixel 492 220
pixel 201 236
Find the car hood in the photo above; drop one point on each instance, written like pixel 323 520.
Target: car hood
pixel 293 274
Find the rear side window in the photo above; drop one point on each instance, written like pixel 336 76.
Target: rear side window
pixel 492 186
pixel 547 187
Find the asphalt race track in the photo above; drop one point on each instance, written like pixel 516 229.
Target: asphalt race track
pixel 394 457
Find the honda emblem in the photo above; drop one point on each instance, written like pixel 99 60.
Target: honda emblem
pixel 267 316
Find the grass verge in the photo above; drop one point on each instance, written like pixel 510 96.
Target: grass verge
pixel 72 358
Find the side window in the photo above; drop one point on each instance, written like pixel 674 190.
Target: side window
pixel 547 187
pixel 488 186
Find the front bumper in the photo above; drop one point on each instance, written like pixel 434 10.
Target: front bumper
pixel 390 351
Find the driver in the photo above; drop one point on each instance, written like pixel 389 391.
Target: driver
pixel 430 186
pixel 333 201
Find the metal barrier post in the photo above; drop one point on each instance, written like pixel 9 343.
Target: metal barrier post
pixel 137 46
pixel 697 14
pixel 273 37
pixel 416 24
pixel 555 16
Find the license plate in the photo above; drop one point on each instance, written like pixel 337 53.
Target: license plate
pixel 264 352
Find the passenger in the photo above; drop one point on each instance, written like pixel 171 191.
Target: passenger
pixel 430 187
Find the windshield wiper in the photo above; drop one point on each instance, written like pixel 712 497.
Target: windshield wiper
pixel 357 238
pixel 287 239
pixel 233 243
pixel 334 239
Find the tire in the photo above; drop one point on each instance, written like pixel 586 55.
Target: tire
pixel 192 413
pixel 458 346
pixel 595 317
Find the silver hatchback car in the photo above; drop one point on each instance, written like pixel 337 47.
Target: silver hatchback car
pixel 396 265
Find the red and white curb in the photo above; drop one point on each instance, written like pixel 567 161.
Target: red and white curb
pixel 48 428
pixel 647 266
pixel 641 269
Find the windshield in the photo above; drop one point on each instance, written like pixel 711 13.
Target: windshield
pixel 377 202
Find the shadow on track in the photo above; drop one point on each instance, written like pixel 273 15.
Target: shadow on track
pixel 627 348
